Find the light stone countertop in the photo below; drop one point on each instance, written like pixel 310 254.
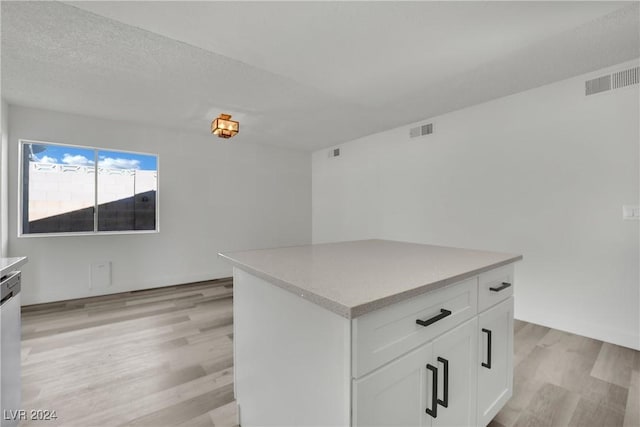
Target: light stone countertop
pixel 355 278
pixel 10 264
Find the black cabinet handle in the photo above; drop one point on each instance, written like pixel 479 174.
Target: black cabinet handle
pixel 434 392
pixel 7 297
pixel 488 364
pixel 443 313
pixel 445 402
pixel 504 285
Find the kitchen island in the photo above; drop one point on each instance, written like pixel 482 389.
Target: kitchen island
pixel 372 332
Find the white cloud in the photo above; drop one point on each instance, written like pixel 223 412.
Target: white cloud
pixel 47 159
pixel 118 163
pixel 76 160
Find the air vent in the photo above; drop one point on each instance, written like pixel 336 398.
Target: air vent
pixel 421 130
pixel 626 78
pixel 598 85
pixel 334 153
pixel 613 81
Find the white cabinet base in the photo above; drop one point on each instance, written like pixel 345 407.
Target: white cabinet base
pixel 495 380
pixel 396 394
pixel 457 348
pixel 292 360
pixel 298 364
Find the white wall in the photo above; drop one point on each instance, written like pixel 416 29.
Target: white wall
pixel 543 173
pixel 215 195
pixel 4 184
pixel 4 129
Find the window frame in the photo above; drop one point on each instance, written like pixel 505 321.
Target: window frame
pixel 21 144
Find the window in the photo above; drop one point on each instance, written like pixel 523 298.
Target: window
pixel 70 189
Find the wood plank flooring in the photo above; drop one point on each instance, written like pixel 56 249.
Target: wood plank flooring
pixel 562 379
pixel 161 357
pixel 164 357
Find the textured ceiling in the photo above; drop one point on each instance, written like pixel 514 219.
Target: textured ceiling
pixel 299 74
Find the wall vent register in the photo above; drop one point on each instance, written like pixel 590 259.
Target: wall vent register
pixel 422 130
pixel 616 80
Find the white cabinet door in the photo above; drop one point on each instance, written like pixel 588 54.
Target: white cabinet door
pixel 396 394
pixel 455 353
pixel 495 360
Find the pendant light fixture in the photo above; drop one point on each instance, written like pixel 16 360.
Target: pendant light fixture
pixel 224 127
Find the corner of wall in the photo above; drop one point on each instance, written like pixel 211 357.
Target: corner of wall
pixel 4 179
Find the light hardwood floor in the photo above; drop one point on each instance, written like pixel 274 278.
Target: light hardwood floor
pixel 163 357
pixel 562 379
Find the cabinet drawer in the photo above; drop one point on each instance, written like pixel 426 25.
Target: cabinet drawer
pixel 385 334
pixel 495 286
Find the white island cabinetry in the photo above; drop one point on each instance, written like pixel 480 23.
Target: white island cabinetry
pixel 495 380
pixel 400 393
pixel 372 333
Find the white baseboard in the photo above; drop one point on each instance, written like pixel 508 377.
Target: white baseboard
pixel 586 329
pixel 74 293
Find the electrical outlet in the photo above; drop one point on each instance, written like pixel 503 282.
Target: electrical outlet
pixel 100 275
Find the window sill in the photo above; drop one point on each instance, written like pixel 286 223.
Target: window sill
pixel 88 233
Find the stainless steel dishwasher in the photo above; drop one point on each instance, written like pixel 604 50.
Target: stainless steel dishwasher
pixel 10 384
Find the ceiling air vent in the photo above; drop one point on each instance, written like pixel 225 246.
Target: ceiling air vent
pixel 613 81
pixel 598 85
pixel 626 77
pixel 421 130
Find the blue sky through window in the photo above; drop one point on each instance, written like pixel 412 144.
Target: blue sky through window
pixel 120 160
pixel 46 153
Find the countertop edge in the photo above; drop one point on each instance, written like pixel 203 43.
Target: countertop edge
pixel 360 310
pixel 314 298
pixel 19 262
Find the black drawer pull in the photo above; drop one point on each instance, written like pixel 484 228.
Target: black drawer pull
pixel 488 364
pixel 443 313
pixel 6 298
pixel 445 401
pixel 434 392
pixel 504 285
